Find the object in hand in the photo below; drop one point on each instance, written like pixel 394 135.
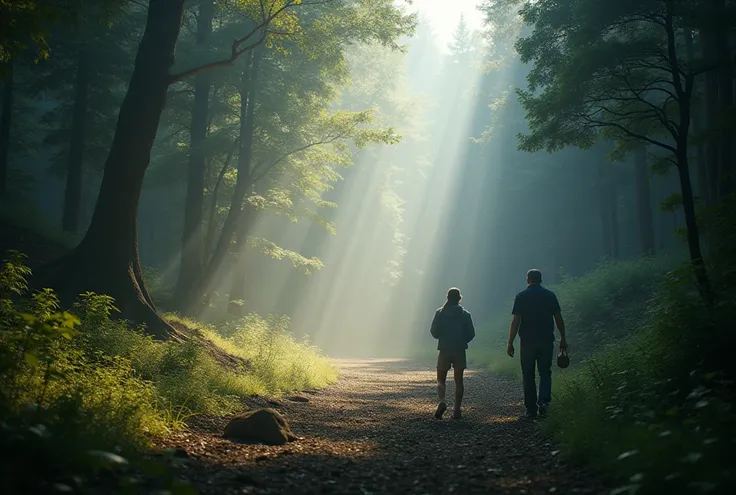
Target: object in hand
pixel 563 361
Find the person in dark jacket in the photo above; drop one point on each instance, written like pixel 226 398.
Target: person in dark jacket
pixel 536 311
pixel 453 327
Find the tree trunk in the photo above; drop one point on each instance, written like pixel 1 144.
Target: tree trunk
pixel 613 202
pixel 75 160
pixel 5 121
pixel 605 209
pixel 237 290
pixel 107 259
pixel 243 182
pixel 192 241
pixel 644 201
pixel 693 236
pixel 701 164
pixel 209 239
pixel 725 104
pixel 711 120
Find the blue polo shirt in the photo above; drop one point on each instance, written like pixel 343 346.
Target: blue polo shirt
pixel 536 306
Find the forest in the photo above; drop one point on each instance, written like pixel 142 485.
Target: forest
pixel 210 208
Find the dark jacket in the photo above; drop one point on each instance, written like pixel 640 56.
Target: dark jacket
pixel 453 327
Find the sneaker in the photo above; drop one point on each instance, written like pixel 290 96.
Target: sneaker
pixel 457 415
pixel 543 408
pixel 530 415
pixel 441 408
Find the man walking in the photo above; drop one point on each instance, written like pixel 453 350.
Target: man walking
pixel 535 311
pixel 453 327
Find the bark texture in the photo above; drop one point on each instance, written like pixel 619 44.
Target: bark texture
pixel 107 260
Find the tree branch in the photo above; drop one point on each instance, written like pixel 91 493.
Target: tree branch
pixel 629 133
pixel 237 48
pixel 236 52
pixel 258 174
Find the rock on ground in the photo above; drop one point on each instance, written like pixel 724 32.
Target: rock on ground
pixel 264 425
pixel 374 432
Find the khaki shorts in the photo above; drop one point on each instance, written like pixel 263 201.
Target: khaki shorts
pixel 454 359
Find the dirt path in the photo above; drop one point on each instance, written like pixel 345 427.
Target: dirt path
pixel 374 432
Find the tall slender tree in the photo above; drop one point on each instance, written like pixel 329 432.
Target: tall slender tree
pixel 192 241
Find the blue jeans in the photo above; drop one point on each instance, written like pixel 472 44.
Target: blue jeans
pixel 539 355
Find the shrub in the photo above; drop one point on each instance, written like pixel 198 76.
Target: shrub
pixel 80 388
pixel 655 410
pixel 599 308
pixel 57 402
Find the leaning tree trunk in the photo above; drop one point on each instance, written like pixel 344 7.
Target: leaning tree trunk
pixel 75 160
pixel 192 241
pixel 107 259
pixel 693 236
pixel 5 121
pixel 644 201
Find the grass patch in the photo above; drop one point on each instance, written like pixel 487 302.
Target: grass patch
pixel 79 383
pixel 278 362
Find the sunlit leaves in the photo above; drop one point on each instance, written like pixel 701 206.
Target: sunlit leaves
pixel 302 263
pixel 13 274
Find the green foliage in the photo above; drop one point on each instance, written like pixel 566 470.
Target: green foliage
pixel 599 308
pixel 277 362
pixel 27 24
pixel 651 410
pixel 605 67
pixel 58 401
pixel 75 383
pixel 299 140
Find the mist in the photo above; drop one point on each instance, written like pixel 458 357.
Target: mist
pixel 452 203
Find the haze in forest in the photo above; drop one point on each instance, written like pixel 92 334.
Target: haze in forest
pixel 359 257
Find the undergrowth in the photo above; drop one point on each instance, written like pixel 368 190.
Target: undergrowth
pixel 655 410
pixel 599 308
pixel 655 407
pixel 649 397
pixel 83 392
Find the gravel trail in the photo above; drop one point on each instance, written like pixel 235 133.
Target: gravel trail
pixel 374 432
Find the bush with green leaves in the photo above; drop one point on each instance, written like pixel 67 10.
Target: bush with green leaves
pixel 599 308
pixel 81 388
pixel 655 410
pixel 59 404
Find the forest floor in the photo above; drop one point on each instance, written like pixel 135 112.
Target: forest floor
pixel 374 432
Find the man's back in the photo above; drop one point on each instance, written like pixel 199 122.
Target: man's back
pixel 536 306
